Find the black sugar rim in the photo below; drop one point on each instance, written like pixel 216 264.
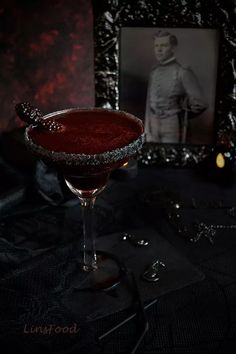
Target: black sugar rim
pixel 72 159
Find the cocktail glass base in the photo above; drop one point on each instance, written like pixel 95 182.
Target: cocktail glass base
pixel 106 276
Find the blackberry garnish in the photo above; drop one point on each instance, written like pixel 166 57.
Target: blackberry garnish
pixel 32 115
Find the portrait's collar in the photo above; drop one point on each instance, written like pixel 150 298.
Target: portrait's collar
pixel 168 61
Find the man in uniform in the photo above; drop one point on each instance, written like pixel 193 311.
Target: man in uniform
pixel 174 94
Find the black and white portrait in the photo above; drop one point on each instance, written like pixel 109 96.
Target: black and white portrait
pixel 168 79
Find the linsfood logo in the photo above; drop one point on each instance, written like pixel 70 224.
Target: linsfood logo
pixel 51 329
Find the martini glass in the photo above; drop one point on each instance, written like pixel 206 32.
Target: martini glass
pixel 91 144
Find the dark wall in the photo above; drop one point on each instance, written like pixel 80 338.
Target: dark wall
pixel 46 56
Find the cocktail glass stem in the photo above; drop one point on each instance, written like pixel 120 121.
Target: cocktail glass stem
pixel 87 200
pixel 89 250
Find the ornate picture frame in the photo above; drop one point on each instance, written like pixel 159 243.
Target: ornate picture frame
pixel 112 15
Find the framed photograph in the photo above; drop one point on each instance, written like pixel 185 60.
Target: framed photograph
pixel 172 65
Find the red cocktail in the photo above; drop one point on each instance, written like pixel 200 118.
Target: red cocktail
pixel 90 144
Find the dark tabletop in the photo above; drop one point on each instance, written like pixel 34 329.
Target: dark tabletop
pixel 192 214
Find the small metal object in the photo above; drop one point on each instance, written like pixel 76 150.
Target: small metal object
pixel 209 231
pixel 151 274
pixel 204 230
pixel 138 242
pixel 232 211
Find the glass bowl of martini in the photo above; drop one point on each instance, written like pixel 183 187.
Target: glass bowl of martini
pixel 86 145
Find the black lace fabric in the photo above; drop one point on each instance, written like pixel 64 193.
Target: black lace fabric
pixel 39 254
pixel 33 283
pixel 40 243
